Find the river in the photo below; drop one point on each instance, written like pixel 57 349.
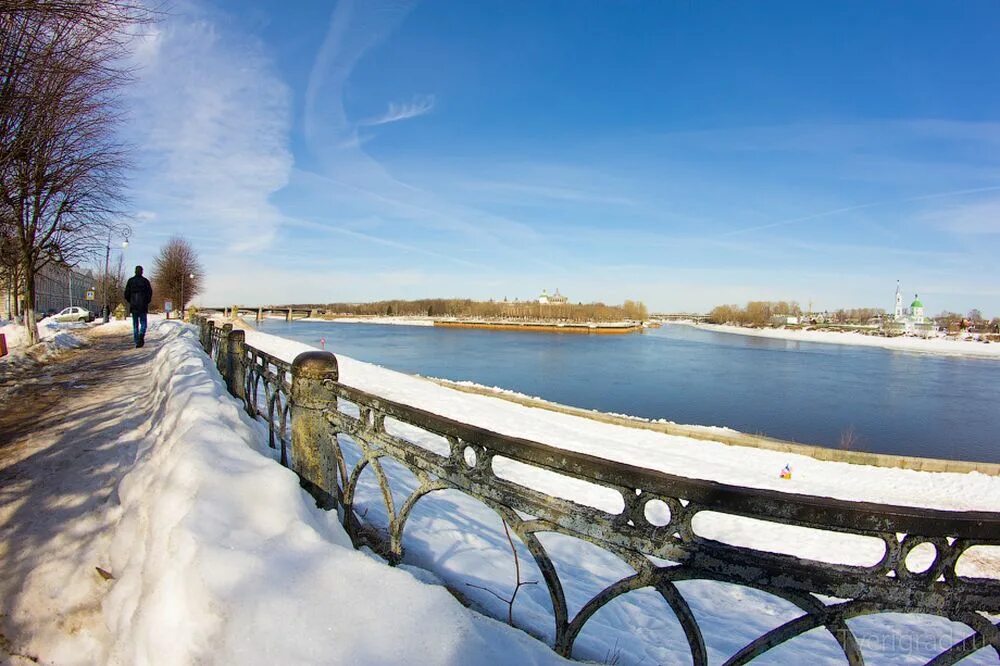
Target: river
pixel 883 401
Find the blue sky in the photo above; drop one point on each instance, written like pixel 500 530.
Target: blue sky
pixel 682 153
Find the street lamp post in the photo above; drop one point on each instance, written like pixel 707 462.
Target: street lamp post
pixel 107 269
pixel 190 275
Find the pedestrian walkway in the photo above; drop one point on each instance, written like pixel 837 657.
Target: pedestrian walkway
pixel 67 435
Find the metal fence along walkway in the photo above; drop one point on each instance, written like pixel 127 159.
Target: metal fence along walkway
pixel 311 416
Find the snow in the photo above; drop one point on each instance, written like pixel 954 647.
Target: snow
pixel 668 453
pixel 463 542
pixel 53 337
pixel 499 391
pixel 946 346
pixel 218 556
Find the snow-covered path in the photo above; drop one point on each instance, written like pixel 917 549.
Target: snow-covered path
pixel 68 431
pixel 137 462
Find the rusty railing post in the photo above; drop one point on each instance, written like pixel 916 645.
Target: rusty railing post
pixel 313 458
pixel 222 360
pixel 206 340
pixel 236 372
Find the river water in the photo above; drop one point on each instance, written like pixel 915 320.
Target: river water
pixel 886 401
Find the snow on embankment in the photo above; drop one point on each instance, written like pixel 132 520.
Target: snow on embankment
pixel 934 345
pixel 220 557
pixel 674 454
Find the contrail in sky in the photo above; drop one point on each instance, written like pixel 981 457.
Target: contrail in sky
pixel 847 209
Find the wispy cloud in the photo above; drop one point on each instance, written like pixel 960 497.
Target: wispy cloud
pixel 971 219
pixel 976 218
pixel 345 171
pixel 420 105
pixel 525 191
pixel 213 122
pixel 376 240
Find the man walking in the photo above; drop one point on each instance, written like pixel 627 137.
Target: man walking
pixel 138 294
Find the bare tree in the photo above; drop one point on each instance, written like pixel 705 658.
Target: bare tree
pixel 109 287
pixel 61 163
pixel 177 273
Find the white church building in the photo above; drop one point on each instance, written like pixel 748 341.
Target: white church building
pixel 552 299
pixel 911 320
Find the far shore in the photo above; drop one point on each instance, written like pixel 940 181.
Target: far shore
pixel 392 321
pixel 544 326
pixel 935 345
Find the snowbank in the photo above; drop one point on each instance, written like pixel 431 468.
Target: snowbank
pixel 220 557
pixel 935 345
pixel 54 337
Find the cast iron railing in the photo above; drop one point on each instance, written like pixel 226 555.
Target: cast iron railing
pixel 307 407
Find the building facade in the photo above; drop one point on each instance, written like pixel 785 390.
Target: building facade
pixel 552 299
pixel 56 287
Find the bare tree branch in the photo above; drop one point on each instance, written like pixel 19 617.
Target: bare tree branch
pixel 62 165
pixel 177 274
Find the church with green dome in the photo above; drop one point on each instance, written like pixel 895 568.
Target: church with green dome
pixel 911 320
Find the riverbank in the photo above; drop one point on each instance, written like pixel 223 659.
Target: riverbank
pixel 540 326
pixel 388 321
pixel 585 328
pixel 670 453
pixel 729 436
pixel 784 390
pixel 939 346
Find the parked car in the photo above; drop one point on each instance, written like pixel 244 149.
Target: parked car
pixel 75 314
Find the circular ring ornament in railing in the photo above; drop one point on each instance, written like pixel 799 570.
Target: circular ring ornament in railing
pixel 657 512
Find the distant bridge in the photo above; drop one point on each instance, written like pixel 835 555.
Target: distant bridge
pixel 679 316
pixel 260 312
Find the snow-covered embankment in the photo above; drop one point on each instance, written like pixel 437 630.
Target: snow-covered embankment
pixel 220 557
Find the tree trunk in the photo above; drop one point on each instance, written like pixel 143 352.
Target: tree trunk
pixel 30 324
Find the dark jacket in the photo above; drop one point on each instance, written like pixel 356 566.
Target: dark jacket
pixel 138 294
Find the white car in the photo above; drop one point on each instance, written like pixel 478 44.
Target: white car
pixel 75 314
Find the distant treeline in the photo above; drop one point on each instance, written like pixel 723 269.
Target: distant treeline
pixel 462 307
pixel 755 313
pixel 760 313
pixel 975 318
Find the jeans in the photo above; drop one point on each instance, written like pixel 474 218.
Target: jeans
pixel 138 326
